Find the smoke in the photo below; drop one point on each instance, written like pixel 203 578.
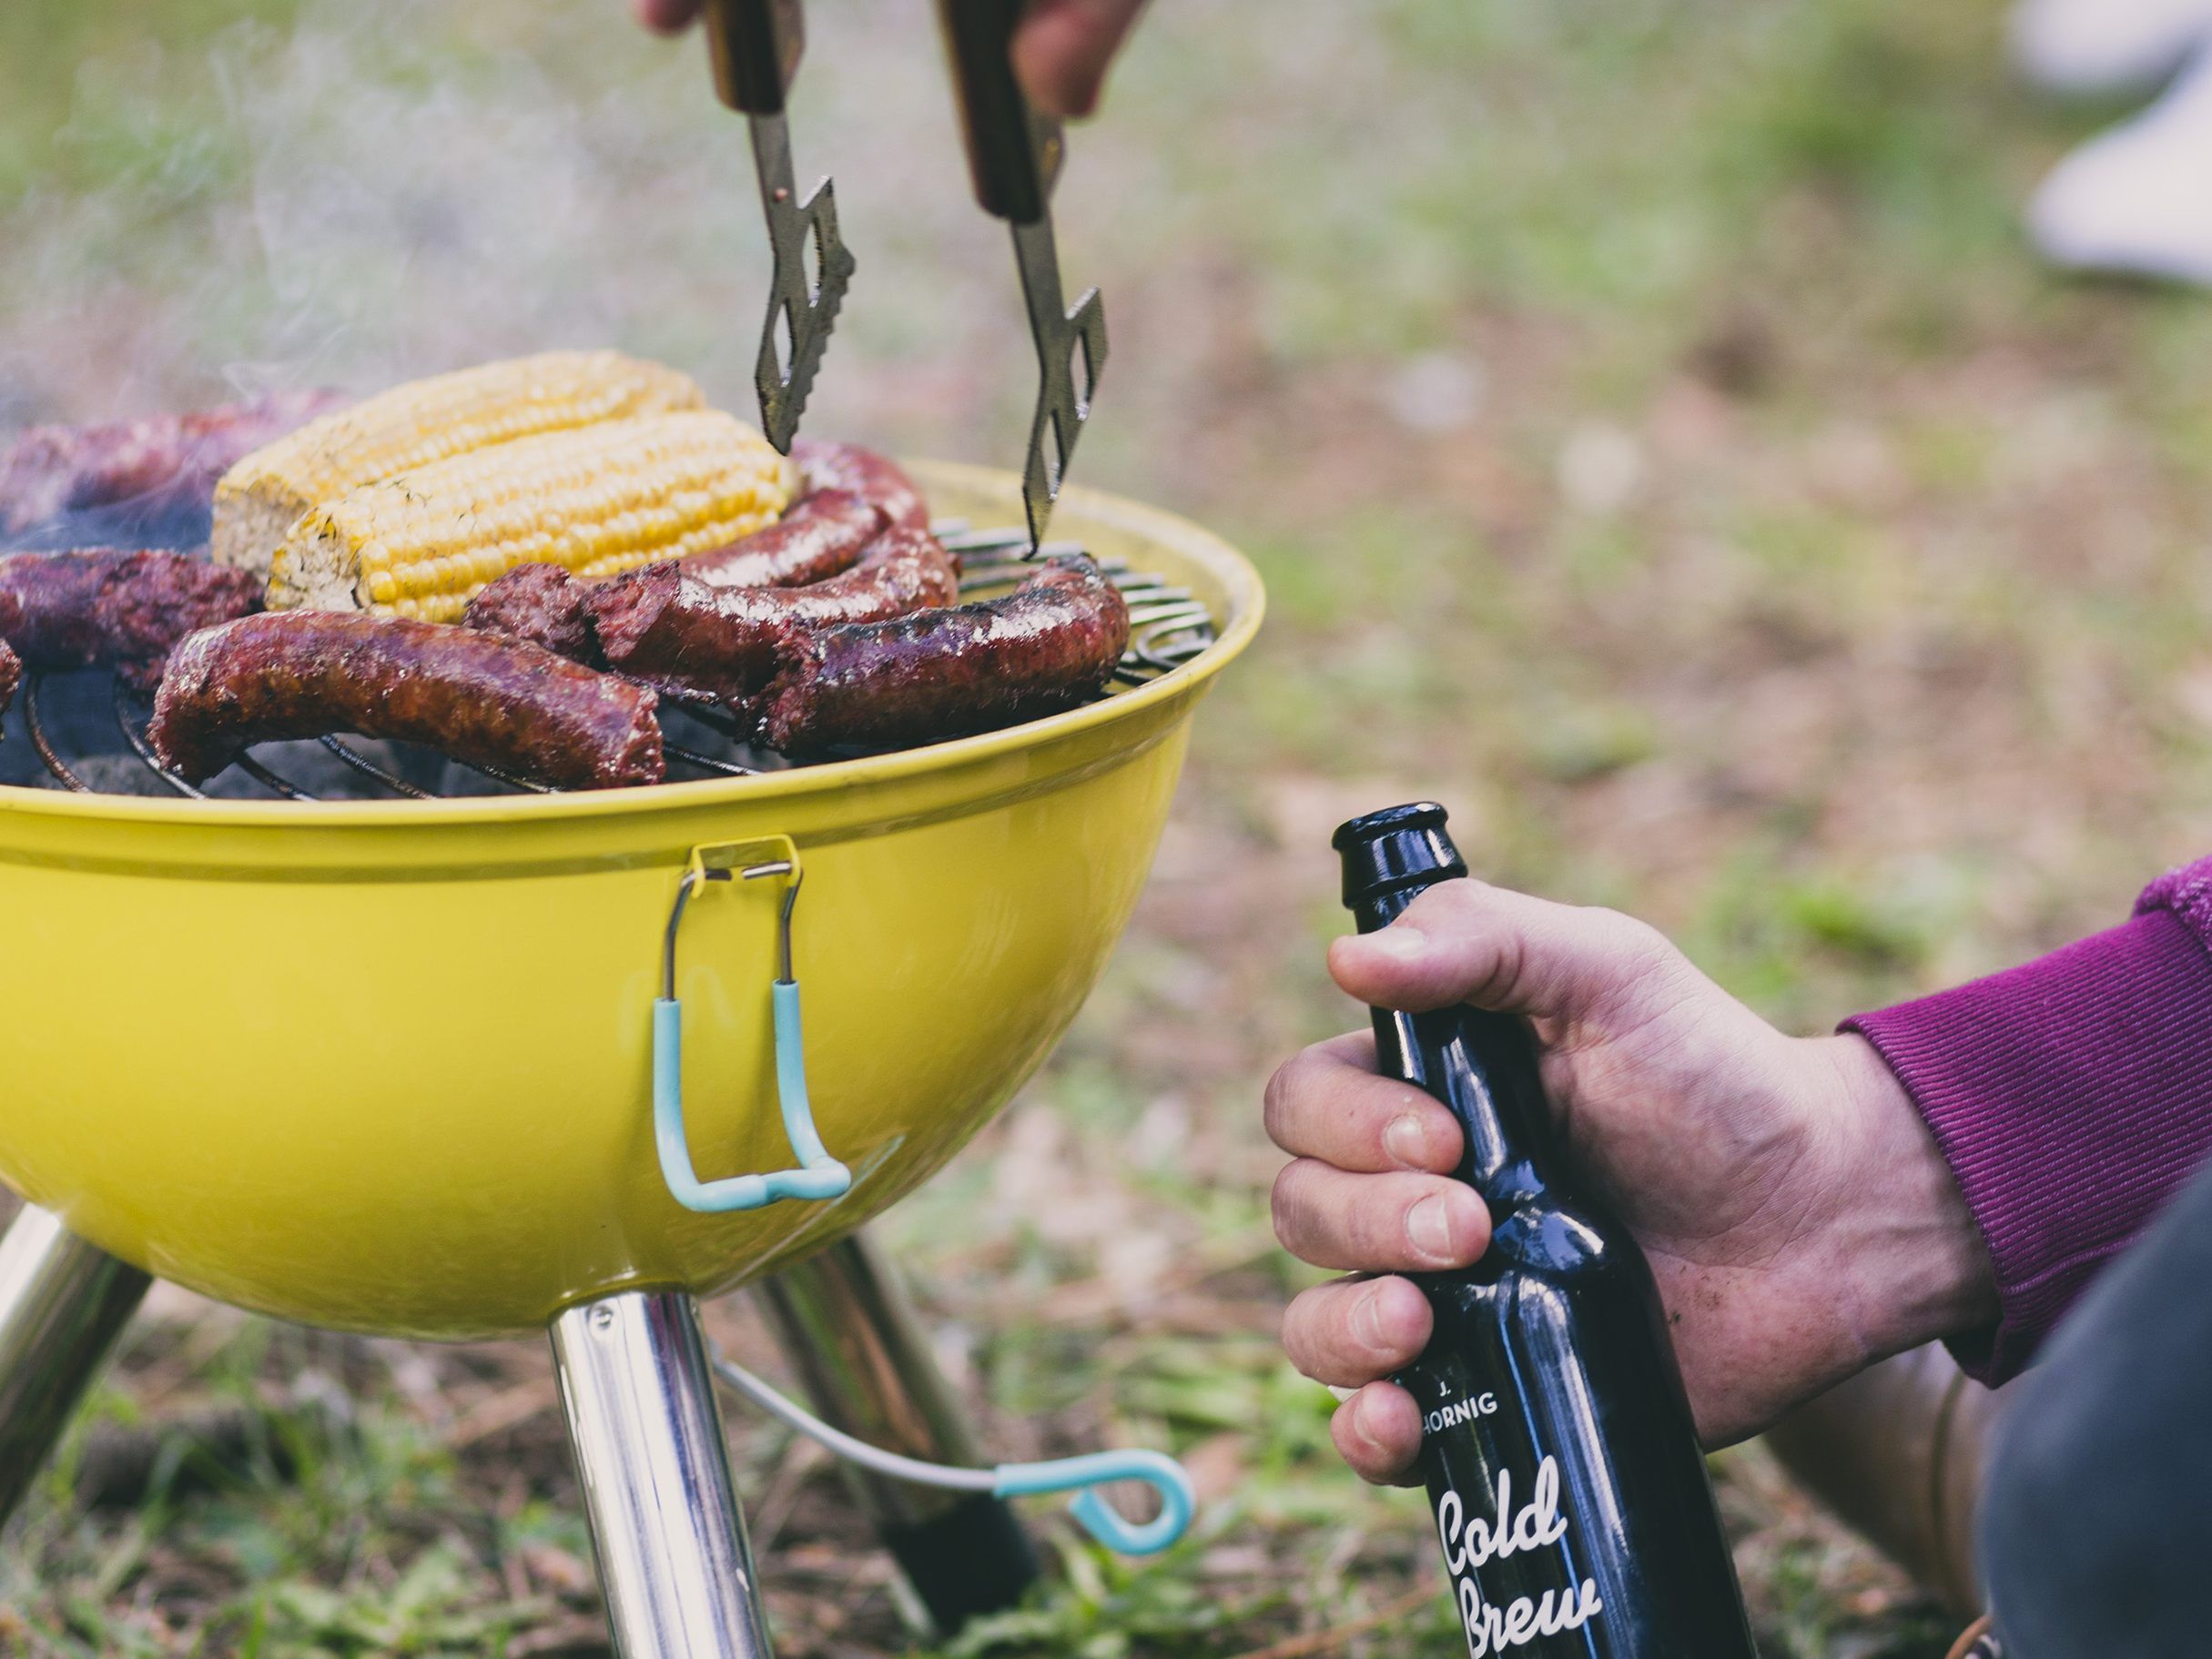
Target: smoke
pixel 363 194
pixel 395 225
pixel 377 192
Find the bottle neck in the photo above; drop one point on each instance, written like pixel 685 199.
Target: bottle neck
pixel 1482 1066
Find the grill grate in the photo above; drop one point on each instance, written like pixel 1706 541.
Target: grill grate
pixel 90 737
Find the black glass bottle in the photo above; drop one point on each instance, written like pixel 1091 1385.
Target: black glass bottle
pixel 1569 1491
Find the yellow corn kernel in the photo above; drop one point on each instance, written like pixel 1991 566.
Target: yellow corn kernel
pixel 423 423
pixel 597 501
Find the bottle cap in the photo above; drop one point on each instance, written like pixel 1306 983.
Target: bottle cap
pixel 1398 847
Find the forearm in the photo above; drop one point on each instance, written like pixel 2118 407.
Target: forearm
pixel 1911 1265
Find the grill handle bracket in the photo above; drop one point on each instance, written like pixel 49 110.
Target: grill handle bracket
pixel 817 1177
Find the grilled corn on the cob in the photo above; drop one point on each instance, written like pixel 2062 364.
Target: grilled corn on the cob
pixel 597 501
pixel 260 500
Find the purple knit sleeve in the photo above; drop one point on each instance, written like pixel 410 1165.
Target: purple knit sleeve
pixel 2071 1097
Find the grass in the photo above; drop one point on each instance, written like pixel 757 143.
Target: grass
pixel 1658 445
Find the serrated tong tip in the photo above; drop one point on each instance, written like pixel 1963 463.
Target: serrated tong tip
pixel 1065 388
pixel 803 304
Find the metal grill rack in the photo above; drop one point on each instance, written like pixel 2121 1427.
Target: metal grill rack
pixel 78 744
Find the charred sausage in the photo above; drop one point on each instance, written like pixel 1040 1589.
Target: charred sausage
pixel 662 623
pixel 542 604
pixel 155 600
pixel 162 463
pixel 514 707
pixel 111 609
pixel 822 535
pixel 875 478
pixel 1051 644
pixel 11 666
pixel 57 598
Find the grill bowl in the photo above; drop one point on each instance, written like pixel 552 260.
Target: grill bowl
pixel 385 1066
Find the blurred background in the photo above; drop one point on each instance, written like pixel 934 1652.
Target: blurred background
pixel 1661 444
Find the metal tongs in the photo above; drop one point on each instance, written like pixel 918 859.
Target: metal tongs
pixel 1016 154
pixel 756 46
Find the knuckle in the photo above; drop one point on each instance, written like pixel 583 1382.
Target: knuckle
pixel 1635 939
pixel 1462 898
pixel 1375 1221
pixel 1288 1207
pixel 1508 978
pixel 1298 1321
pixel 1271 1103
pixel 1278 1102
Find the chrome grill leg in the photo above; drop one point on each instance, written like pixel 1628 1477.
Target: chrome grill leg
pixel 62 1305
pixel 849 1332
pixel 674 1560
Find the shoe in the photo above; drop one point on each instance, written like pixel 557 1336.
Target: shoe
pixel 2102 48
pixel 2137 200
pixel 1980 1642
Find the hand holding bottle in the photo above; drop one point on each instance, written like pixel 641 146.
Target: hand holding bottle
pixel 1796 1214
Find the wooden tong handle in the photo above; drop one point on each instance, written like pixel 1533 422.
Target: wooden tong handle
pixel 756 46
pixel 1014 152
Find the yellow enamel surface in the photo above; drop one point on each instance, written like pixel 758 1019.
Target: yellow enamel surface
pixel 385 1066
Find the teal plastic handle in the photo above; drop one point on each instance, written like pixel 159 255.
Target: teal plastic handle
pixel 818 1175
pixel 1163 1474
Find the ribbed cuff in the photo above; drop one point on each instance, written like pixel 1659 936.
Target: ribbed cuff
pixel 2071 1097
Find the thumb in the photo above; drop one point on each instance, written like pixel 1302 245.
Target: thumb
pixel 1465 941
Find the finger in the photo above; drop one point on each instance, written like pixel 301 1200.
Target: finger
pixel 1391 1223
pixel 1465 941
pixel 666 16
pixel 1356 1331
pixel 1328 1103
pixel 1064 47
pixel 1378 1432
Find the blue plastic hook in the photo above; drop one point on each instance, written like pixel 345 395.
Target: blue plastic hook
pixel 818 1175
pixel 1178 1502
pixel 1084 1476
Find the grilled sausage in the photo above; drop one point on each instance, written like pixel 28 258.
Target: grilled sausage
pixel 149 604
pixel 875 478
pixel 111 609
pixel 488 701
pixel 540 603
pixel 686 637
pixel 162 463
pixel 661 623
pixel 1051 644
pixel 56 598
pixel 822 535
pixel 543 604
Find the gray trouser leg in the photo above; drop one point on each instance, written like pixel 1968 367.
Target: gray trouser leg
pixel 2096 1522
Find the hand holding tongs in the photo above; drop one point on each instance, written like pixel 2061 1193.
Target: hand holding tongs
pixel 756 46
pixel 1016 154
